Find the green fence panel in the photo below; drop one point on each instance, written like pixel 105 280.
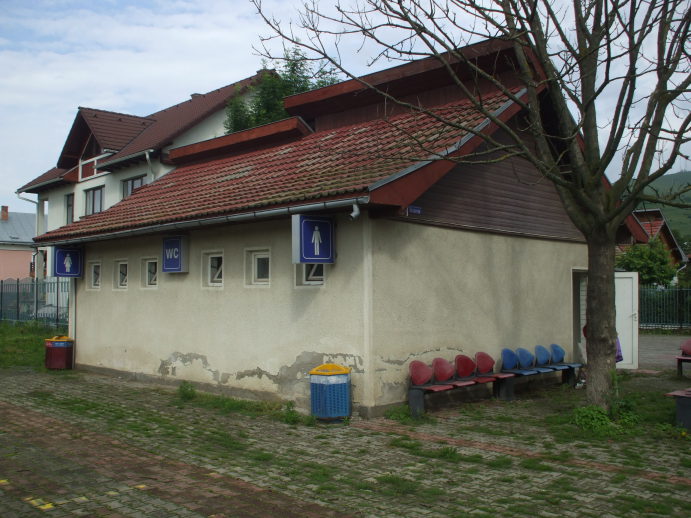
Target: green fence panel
pixel 668 308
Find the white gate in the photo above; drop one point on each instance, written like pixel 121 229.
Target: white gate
pixel 626 297
pixel 626 301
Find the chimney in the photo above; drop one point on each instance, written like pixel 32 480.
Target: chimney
pixel 5 213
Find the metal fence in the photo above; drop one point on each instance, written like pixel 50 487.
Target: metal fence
pixel 45 300
pixel 666 308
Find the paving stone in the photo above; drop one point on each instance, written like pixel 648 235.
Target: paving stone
pixel 86 464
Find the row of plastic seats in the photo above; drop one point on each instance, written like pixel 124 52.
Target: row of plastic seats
pixel 444 375
pixel 522 362
pixel 465 371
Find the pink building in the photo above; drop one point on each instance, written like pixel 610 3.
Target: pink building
pixel 17 230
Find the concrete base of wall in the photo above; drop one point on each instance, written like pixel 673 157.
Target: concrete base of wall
pixel 450 399
pixel 173 383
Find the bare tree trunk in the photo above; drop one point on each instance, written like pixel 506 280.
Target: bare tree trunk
pixel 600 318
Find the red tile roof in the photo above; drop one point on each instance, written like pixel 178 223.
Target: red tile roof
pixel 334 164
pixel 50 176
pixel 651 220
pixel 130 134
pixel 114 130
pixel 652 227
pixel 400 80
pixel 111 130
pixel 655 224
pixel 172 121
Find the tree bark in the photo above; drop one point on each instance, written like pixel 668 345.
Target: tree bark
pixel 601 333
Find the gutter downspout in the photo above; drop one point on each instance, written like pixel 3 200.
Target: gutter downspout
pixel 25 199
pixel 35 246
pixel 148 161
pixel 37 229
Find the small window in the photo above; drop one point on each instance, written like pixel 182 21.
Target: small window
pixel 150 273
pixel 310 274
pixel 95 276
pixel 94 200
pixel 131 184
pixel 121 275
pixel 258 267
pixel 213 266
pixel 69 208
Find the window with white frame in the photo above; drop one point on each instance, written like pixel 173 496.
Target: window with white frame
pixel 310 274
pixel 213 269
pixel 95 276
pixel 258 267
pixel 149 273
pixel 94 200
pixel 131 184
pixel 121 273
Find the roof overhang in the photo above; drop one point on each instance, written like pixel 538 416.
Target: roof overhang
pixel 126 160
pixel 267 134
pixel 397 81
pixel 407 185
pixel 241 217
pixel 678 250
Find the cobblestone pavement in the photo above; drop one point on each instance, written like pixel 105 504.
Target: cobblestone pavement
pixel 658 351
pixel 78 444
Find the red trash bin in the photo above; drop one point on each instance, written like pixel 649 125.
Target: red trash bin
pixel 59 352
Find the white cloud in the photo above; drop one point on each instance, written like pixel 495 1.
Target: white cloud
pixel 132 56
pixel 129 56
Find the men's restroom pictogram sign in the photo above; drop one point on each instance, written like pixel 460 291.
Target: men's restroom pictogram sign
pixel 313 239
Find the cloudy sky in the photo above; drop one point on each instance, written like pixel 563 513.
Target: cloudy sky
pixel 131 56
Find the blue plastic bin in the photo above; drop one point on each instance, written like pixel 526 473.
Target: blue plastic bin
pixel 330 391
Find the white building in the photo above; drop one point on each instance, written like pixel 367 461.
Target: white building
pixel 107 155
pixel 432 257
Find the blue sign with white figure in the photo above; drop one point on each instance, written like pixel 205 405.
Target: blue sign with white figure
pixel 313 239
pixel 67 262
pixel 175 254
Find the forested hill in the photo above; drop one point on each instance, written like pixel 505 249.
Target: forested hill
pixel 678 219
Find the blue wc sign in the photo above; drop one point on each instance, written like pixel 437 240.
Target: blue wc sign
pixel 175 254
pixel 67 262
pixel 313 239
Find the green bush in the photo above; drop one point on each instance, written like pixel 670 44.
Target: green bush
pixel 593 419
pixel 290 415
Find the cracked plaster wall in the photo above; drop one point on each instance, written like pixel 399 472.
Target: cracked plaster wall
pixel 257 339
pixel 433 292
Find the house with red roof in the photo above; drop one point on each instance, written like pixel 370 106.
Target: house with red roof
pixel 357 231
pixel 107 155
pixel 656 226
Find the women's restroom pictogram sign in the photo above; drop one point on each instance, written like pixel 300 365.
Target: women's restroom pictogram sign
pixel 67 262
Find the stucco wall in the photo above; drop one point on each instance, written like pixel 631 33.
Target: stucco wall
pixel 15 264
pixel 249 338
pixel 398 291
pixel 211 127
pixel 441 292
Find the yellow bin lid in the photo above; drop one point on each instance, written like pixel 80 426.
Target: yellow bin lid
pixel 60 338
pixel 329 369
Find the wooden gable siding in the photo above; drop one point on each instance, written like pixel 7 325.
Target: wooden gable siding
pixel 88 169
pixel 506 197
pixel 371 106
